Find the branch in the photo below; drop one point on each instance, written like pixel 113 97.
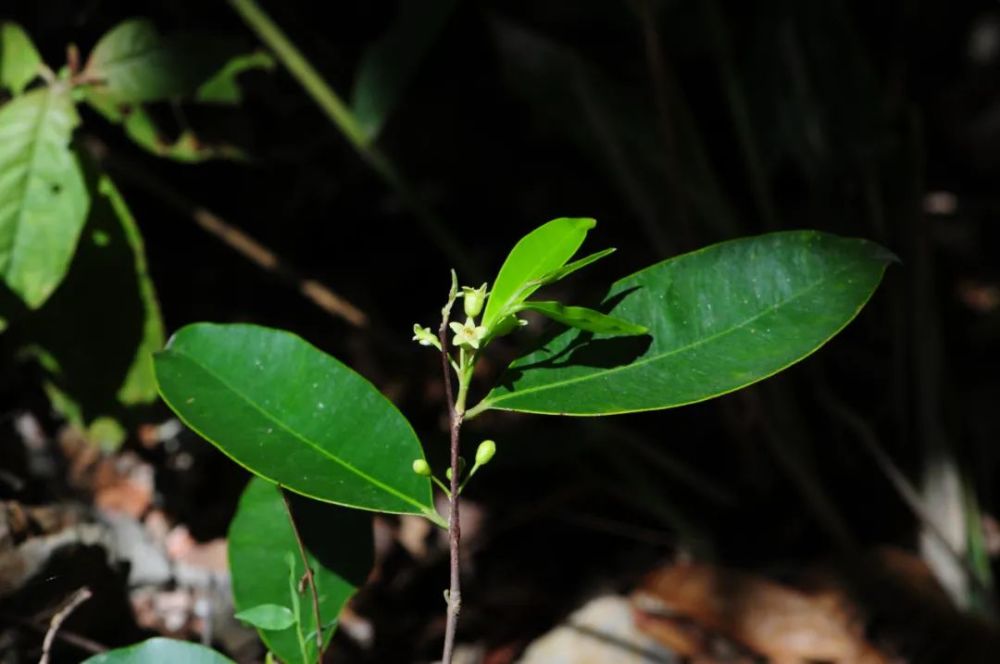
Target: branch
pixel 78 598
pixel 455 412
pixel 344 119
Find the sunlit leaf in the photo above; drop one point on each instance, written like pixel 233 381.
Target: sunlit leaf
pixel 570 268
pixel 538 253
pixel 19 59
pixel 43 199
pixel 719 319
pixel 294 415
pixel 95 336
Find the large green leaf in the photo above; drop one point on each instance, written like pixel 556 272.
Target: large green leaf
pixel 134 63
pixel 389 64
pixel 160 651
pixel 294 415
pixel 43 199
pixel 339 544
pixel 719 319
pixel 543 250
pixel 19 59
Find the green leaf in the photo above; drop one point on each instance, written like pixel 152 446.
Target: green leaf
pixel 144 132
pixel 566 270
pixel 160 651
pixel 261 540
pixel 95 336
pixel 538 253
pixel 294 415
pixel 268 617
pixel 223 88
pixel 388 66
pixel 720 318
pixel 134 63
pixel 43 199
pixel 140 381
pixel 19 59
pixel 583 318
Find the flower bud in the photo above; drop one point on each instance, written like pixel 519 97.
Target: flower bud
pixel 421 467
pixel 461 469
pixel 424 336
pixel 473 300
pixel 485 452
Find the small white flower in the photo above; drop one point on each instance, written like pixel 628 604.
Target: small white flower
pixel 424 336
pixel 467 334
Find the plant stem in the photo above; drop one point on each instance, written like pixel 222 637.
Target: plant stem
pixel 344 119
pixel 78 598
pixel 456 412
pixel 308 576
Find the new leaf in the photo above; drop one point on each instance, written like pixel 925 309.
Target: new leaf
pixel 534 257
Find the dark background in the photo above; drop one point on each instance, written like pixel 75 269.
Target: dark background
pixel 639 114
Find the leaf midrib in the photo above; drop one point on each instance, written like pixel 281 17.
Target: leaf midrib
pixel 323 452
pixel 655 358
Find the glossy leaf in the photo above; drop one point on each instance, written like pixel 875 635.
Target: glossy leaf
pixel 294 415
pixel 223 87
pixel 388 66
pixel 261 540
pixel 43 199
pixel 538 253
pixel 719 319
pixel 134 63
pixel 160 651
pixel 583 318
pixel 568 269
pixel 19 59
pixel 268 617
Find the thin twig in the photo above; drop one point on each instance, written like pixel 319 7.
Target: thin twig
pixel 455 412
pixel 78 598
pixel 310 579
pixel 344 119
pixel 72 638
pixel 232 236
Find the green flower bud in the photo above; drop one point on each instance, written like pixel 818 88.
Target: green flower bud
pixel 473 300
pixel 461 468
pixel 485 452
pixel 421 467
pixel 424 336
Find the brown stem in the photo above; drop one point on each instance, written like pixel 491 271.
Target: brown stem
pixel 454 530
pixel 309 578
pixel 78 598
